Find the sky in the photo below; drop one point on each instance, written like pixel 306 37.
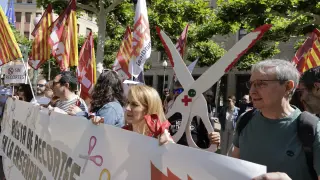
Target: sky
pixel 3 4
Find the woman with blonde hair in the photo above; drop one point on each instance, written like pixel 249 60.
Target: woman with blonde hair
pixel 144 114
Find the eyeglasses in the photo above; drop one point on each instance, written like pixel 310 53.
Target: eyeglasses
pixel 178 91
pixel 260 83
pixel 40 85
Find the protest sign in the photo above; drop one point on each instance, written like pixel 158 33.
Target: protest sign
pixel 38 146
pixel 15 74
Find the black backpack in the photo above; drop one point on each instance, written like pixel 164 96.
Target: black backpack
pixel 307 128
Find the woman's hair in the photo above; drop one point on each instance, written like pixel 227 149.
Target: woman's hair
pixel 149 98
pixel 107 89
pixel 27 92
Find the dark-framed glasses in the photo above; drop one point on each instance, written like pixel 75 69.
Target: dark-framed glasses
pixel 40 85
pixel 260 83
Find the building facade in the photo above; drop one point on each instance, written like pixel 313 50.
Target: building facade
pixel 26 12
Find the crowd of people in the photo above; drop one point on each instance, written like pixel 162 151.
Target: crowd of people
pixel 271 126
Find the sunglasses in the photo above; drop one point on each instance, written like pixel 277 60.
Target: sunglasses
pixel 40 85
pixel 178 91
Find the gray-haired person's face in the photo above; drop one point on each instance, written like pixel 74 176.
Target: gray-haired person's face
pixel 265 90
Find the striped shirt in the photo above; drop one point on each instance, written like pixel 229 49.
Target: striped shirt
pixel 65 105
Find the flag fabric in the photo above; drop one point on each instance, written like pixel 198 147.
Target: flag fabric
pixel 121 64
pixel 9 49
pixel 64 38
pixel 180 45
pixel 308 55
pixel 10 13
pixel 140 78
pixel 41 50
pixel 86 70
pixel 141 43
pixel 190 68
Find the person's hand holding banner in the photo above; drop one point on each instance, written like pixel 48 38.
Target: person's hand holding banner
pixel 73 110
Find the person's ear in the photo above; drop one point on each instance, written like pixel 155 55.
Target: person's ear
pixel 289 86
pixel 67 85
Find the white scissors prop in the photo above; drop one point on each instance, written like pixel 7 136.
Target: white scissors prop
pixel 191 102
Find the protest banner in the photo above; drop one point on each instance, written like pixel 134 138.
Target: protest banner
pixel 36 145
pixel 15 74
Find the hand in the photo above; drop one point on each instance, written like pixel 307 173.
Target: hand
pixel 73 110
pixel 214 138
pixel 96 120
pixel 273 176
pixel 15 97
pixel 165 138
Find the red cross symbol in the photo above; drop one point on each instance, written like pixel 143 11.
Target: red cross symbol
pixel 186 100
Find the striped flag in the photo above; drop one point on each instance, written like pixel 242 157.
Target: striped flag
pixel 41 50
pixel 121 64
pixel 64 38
pixel 86 70
pixel 180 45
pixel 308 55
pixel 9 49
pixel 141 42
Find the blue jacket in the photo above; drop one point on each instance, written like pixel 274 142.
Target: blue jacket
pixel 223 115
pixel 112 113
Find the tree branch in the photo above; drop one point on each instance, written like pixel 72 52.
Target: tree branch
pixel 88 8
pixel 113 5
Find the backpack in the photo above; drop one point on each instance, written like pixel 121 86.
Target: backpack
pixel 307 128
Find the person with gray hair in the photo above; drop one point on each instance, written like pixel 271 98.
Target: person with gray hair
pixel 270 135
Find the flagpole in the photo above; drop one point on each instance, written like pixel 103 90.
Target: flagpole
pixel 28 79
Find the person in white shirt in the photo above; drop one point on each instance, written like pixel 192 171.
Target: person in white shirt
pixel 40 97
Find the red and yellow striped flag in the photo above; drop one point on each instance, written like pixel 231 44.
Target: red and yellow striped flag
pixel 308 55
pixel 9 49
pixel 64 38
pixel 41 50
pixel 86 70
pixel 121 64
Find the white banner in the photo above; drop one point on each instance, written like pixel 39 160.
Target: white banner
pixel 38 146
pixel 15 74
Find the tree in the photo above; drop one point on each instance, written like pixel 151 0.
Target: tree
pixel 290 18
pixel 170 15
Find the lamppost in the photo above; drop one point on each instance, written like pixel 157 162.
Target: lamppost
pixel 164 65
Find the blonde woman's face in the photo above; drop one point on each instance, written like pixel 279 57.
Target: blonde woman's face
pixel 135 112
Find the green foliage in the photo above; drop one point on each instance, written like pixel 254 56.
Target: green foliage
pixel 290 18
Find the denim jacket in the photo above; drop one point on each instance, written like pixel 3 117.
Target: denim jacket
pixel 112 113
pixel 223 115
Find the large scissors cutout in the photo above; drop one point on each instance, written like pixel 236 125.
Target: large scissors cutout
pixel 191 102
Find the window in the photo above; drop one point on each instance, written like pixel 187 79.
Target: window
pixel 18 16
pixel 28 17
pixel 88 31
pixel 241 33
pixel 78 26
pixel 148 80
pixel 26 34
pixel 19 1
pixel 29 1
